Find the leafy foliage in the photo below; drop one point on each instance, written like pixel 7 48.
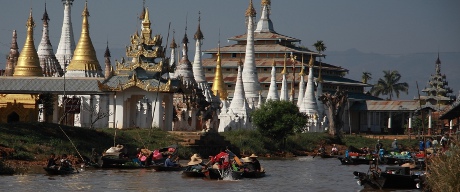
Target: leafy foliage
pixel 366 77
pixel 278 119
pixel 390 85
pixel 248 141
pixel 444 171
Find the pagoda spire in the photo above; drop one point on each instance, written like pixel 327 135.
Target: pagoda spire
pixel 146 30
pixel 12 59
pixel 284 96
pixel 66 47
pixel 142 15
pixel 198 71
pixel 84 62
pixel 250 78
pixel 309 100
pixel 108 64
pixel 301 86
pixel 265 24
pixel 48 61
pixel 172 60
pixel 28 63
pixel 273 90
pixel 218 86
pixel 239 101
pixel 184 69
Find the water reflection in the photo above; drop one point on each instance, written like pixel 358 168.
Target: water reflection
pixel 297 174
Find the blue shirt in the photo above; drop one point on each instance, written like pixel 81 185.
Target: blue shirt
pixel 421 146
pixel 169 163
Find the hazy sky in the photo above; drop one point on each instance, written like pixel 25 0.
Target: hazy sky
pixel 383 27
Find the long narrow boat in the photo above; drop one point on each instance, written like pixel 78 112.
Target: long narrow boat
pixel 58 171
pixel 161 167
pixel 190 172
pixel 391 178
pixel 253 174
pixel 221 174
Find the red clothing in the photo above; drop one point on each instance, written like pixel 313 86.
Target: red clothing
pixel 222 157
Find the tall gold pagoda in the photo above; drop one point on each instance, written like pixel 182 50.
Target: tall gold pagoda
pixel 218 86
pixel 84 62
pixel 28 62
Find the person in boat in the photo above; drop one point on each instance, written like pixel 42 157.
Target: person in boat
pixel 421 145
pixel 221 159
pixel 65 163
pixel 321 150
pixel 395 146
pixel 255 162
pixel 196 163
pixel 378 146
pixel 52 161
pixel 169 162
pixel 334 150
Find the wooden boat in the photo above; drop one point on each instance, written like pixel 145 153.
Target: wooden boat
pixel 220 174
pixel 190 172
pixel 392 178
pixel 59 171
pixel 355 160
pixel 161 167
pixel 254 174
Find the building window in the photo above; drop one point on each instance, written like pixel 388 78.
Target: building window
pixel 228 69
pixel 209 69
pixel 229 86
pixel 233 55
pixel 265 69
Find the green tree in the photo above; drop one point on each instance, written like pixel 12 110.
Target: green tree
pixel 390 85
pixel 366 77
pixel 278 119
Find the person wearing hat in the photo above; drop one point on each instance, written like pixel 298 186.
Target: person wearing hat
pixel 195 163
pixel 394 145
pixel 255 162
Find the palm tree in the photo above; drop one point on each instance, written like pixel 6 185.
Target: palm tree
pixel 390 85
pixel 366 77
pixel 320 47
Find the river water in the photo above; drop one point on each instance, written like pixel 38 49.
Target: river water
pixel 296 174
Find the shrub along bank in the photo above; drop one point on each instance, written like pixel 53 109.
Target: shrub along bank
pixel 35 141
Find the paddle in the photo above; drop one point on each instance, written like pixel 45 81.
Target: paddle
pixel 237 160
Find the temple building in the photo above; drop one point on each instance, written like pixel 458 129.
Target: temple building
pixel 262 48
pixel 438 96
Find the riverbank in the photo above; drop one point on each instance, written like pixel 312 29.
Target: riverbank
pixel 29 144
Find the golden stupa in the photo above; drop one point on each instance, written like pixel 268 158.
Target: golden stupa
pixel 28 62
pixel 218 86
pixel 84 57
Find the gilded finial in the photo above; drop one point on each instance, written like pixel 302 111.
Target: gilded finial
pixel 302 72
pixel 30 21
pixel 284 67
pixel 311 62
pixel 274 63
pixel 85 11
pixel 142 16
pixel 218 86
pixel 250 12
pixel 173 42
pixel 198 34
pixel 265 2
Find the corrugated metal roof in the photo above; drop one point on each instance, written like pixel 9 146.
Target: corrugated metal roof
pixel 384 105
pixel 49 84
pixel 268 62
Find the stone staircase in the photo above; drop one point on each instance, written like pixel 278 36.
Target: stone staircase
pixel 204 143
